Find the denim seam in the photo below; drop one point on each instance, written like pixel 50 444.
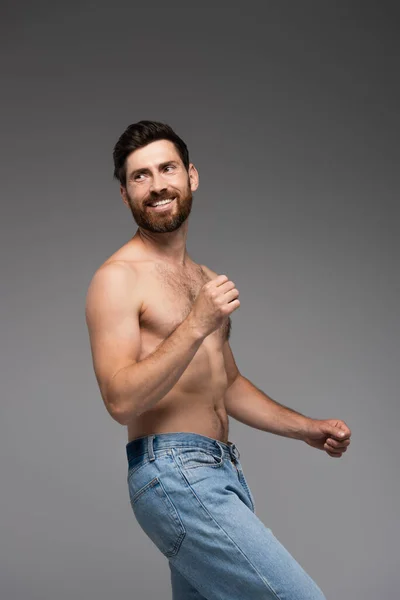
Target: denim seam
pixel 186 460
pixel 174 514
pixel 133 470
pixel 267 585
pixel 247 489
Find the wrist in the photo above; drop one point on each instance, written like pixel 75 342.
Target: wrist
pixel 193 328
pixel 304 428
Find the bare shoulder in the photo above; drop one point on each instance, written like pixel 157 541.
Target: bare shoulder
pixel 115 271
pixel 120 273
pixel 114 282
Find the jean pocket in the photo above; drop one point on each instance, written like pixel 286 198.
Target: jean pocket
pixel 192 458
pixel 158 517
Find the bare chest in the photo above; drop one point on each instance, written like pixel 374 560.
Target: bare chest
pixel 170 298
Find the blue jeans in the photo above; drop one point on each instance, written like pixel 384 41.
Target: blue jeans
pixel 189 494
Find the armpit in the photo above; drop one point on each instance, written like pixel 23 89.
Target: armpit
pixel 226 333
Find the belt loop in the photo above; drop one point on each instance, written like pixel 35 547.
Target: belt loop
pixel 150 448
pixel 221 449
pixel 235 451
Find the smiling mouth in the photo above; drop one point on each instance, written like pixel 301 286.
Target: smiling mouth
pixel 157 203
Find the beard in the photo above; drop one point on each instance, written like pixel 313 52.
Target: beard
pixel 163 222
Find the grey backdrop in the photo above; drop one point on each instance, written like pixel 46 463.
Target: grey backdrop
pixel 291 115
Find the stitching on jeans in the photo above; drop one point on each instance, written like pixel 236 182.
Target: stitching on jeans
pixel 267 585
pixel 133 470
pixel 249 493
pixel 243 483
pixel 143 463
pixel 186 459
pixel 174 514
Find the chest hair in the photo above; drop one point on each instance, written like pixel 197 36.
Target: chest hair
pixel 183 287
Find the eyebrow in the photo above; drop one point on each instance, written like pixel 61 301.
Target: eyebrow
pixel 144 170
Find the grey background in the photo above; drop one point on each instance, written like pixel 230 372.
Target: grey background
pixel 291 115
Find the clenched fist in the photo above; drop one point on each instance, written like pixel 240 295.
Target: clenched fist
pixel 216 300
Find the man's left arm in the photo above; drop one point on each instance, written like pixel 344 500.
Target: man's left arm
pixel 248 404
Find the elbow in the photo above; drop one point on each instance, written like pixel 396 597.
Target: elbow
pixel 118 410
pixel 122 414
pixel 118 415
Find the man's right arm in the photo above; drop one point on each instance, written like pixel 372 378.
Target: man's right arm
pixel 128 386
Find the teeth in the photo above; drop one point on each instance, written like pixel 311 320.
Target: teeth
pixel 167 201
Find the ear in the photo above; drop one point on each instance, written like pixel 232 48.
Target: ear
pixel 193 177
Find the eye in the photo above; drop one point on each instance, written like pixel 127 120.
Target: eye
pixel 170 167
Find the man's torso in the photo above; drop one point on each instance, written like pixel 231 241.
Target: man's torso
pixel 196 402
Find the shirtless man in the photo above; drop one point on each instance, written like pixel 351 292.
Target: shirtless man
pixel 159 328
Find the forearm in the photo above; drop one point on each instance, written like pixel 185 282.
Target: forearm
pixel 138 387
pixel 249 405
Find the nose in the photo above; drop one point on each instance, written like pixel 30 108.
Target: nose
pixel 157 184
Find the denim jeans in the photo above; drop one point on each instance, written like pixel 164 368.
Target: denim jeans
pixel 189 494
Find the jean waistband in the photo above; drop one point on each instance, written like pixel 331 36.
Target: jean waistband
pixel 159 441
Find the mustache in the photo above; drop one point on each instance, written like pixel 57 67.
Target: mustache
pixel 165 196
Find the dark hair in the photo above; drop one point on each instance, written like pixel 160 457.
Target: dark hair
pixel 140 134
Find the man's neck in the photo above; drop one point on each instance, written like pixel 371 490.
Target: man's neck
pixel 169 247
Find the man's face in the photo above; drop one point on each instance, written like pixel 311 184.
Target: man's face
pixel 154 173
